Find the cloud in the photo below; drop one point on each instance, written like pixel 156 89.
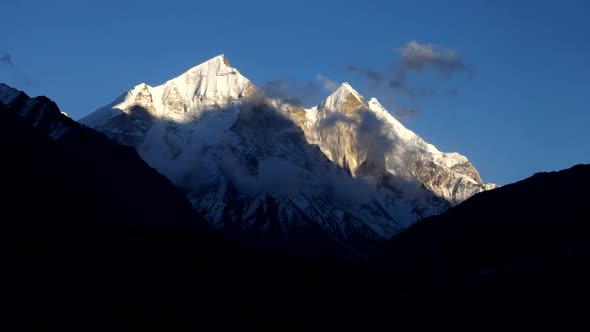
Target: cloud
pixel 418 57
pixel 368 131
pixel 370 74
pixel 291 91
pixel 327 83
pixel 279 89
pixel 6 58
pixel 372 141
pixel 453 91
pixel 304 94
pixel 263 167
pixel 403 87
pixel 28 82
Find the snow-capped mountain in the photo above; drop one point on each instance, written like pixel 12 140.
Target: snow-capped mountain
pixel 361 135
pixel 345 169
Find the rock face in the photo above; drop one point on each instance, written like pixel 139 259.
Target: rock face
pixel 345 171
pixel 354 132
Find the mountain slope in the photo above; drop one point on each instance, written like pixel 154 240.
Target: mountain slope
pixel 116 169
pixel 508 221
pixel 354 132
pixel 252 164
pixel 519 252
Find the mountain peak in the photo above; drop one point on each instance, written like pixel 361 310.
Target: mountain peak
pixel 213 81
pixel 219 61
pixel 225 60
pixel 211 85
pixel 345 87
pixel 218 66
pixel 343 99
pixel 8 94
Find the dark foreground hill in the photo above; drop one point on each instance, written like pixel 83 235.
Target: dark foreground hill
pixel 90 233
pixel 519 253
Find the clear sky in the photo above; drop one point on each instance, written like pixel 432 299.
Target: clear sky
pixel 514 102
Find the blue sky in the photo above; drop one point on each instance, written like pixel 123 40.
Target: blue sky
pixel 521 107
